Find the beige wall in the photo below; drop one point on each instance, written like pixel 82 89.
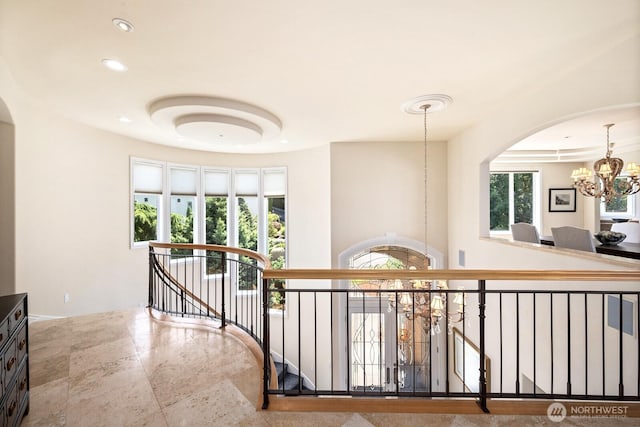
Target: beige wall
pixel 378 188
pixel 7 212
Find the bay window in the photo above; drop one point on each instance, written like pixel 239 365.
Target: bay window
pixel 245 208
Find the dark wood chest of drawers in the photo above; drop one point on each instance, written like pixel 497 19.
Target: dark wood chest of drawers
pixel 14 359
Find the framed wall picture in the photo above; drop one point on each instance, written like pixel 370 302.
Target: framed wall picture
pixel 466 362
pixel 562 200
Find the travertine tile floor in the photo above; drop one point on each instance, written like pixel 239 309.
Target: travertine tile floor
pixel 126 369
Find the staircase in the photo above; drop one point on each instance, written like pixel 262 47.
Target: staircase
pixel 287 380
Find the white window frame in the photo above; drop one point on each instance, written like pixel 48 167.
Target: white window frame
pixel 132 193
pixel 536 202
pixel 629 213
pixel 169 194
pixel 164 203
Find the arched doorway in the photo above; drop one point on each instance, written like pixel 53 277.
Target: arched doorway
pixel 389 350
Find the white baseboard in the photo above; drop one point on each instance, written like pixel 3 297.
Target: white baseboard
pixel 38 317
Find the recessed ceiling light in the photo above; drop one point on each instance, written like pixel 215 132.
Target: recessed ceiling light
pixel 284 141
pixel 124 119
pixel 114 65
pixel 122 25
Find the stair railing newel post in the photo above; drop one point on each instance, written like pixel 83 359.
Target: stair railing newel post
pixel 482 400
pixel 266 352
pixel 223 313
pixel 150 276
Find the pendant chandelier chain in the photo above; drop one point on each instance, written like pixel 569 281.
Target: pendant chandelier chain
pixel 426 204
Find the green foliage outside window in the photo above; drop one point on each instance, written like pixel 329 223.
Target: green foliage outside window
pixel 276 247
pixel 499 201
pixel 617 204
pixel 500 205
pixel 215 230
pixel 145 222
pixel 182 231
pixel 247 239
pixel 523 197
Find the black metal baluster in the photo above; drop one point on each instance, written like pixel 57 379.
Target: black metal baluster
pixel 380 367
pixel 299 344
pixel 252 300
pixel 266 351
pixel 501 342
pixel 364 346
pixel 568 343
pixel 481 316
pixel 348 343
pixel 586 347
pixel 284 356
pixel 223 313
pixel 446 325
pixel 551 337
pixel 620 377
pixel 150 300
pixel 446 349
pixel 331 344
pixel 315 341
pixel 396 365
pixel 603 349
pixel 534 344
pixel 517 343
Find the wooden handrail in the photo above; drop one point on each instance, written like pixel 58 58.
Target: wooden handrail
pixel 217 248
pixel 373 274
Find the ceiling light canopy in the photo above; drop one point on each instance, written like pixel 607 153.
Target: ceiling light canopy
pixel 432 103
pixel 217 121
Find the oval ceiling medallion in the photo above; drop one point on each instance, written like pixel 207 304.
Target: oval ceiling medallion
pixel 434 102
pixel 218 129
pixel 215 120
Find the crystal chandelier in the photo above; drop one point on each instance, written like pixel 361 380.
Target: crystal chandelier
pixel 609 183
pixel 414 301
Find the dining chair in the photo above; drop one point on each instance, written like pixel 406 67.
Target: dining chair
pixel 573 238
pixel 524 232
pixel 631 229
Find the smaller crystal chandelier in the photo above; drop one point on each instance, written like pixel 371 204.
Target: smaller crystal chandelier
pixel 415 301
pixel 608 170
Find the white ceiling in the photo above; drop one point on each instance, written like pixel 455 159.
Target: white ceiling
pixel 331 70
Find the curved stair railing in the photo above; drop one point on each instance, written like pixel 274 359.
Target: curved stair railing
pixel 549 335
pixel 213 282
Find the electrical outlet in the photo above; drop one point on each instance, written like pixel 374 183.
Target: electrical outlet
pixel 66 297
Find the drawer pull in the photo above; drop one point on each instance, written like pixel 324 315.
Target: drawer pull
pixel 22 343
pixel 11 408
pixel 18 314
pixel 10 363
pixel 23 384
